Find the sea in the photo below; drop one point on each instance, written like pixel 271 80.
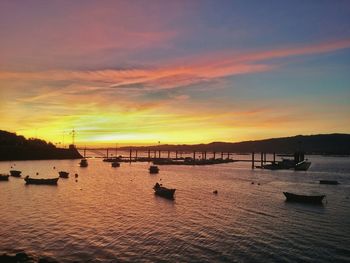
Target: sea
pixel 111 214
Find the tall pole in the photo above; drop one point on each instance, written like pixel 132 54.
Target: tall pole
pixel 73 136
pixel 253 161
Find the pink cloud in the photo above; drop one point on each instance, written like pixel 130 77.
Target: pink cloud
pixel 167 77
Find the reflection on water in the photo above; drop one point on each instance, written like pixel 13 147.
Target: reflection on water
pixel 112 213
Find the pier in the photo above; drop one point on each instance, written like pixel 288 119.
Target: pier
pixel 167 157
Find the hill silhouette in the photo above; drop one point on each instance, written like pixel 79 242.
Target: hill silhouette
pixel 15 147
pixel 327 144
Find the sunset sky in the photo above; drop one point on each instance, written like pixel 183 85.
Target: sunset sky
pixel 139 72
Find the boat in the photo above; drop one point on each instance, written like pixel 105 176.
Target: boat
pixel 63 174
pixel 83 163
pixel 302 166
pixel 153 169
pixel 115 164
pixel 163 191
pixel 299 163
pixel 15 173
pixel 315 199
pixel 50 181
pixel 329 182
pixel 4 177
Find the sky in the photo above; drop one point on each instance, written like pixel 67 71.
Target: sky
pixel 144 72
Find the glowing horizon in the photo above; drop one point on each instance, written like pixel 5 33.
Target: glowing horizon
pixel 193 72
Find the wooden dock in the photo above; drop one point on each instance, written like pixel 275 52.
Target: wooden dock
pixel 160 157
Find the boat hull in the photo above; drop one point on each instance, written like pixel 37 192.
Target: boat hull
pixel 83 163
pixel 302 166
pixel 4 177
pixel 115 164
pixel 329 182
pixel 314 199
pixel 52 181
pixel 164 192
pixel 63 174
pixel 154 170
pixel 15 173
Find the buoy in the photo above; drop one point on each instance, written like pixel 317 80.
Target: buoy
pixel 258 183
pixel 76 181
pixel 76 175
pixel 252 182
pixel 215 192
pixel 37 173
pixel 54 167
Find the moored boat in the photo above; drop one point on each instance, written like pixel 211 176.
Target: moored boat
pixel 163 191
pixel 63 174
pixel 4 177
pixel 15 173
pixel 115 164
pixel 302 166
pixel 315 199
pixel 329 182
pixel 83 163
pixel 50 181
pixel 153 169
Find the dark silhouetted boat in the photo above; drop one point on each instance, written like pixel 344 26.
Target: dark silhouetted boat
pixel 50 181
pixel 83 163
pixel 153 169
pixel 315 199
pixel 63 174
pixel 4 177
pixel 115 164
pixel 15 173
pixel 329 182
pixel 299 163
pixel 163 191
pixel 302 166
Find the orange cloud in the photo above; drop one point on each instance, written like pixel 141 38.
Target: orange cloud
pixel 174 76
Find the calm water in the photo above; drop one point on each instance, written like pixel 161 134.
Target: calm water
pixel 111 214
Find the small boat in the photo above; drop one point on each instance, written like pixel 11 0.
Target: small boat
pixel 302 166
pixel 15 173
pixel 315 199
pixel 163 191
pixel 153 169
pixel 4 177
pixel 51 181
pixel 63 174
pixel 329 182
pixel 83 163
pixel 115 164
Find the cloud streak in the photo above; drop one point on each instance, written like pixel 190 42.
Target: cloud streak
pixel 173 76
